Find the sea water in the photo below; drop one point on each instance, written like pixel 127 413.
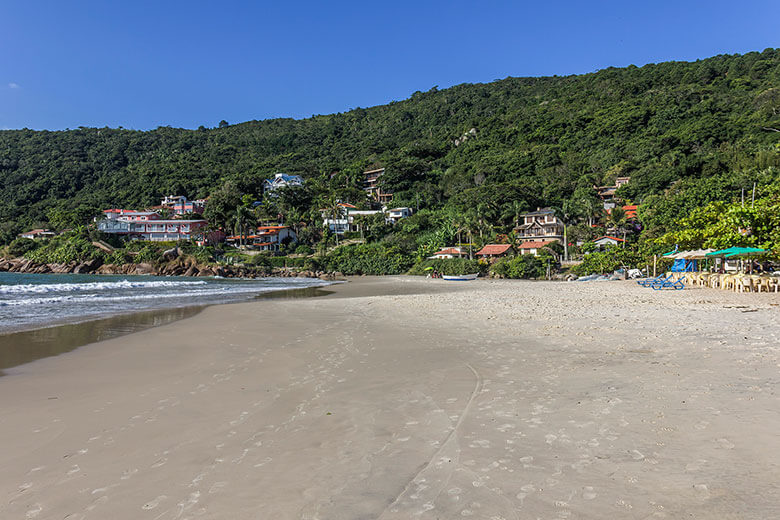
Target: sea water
pixel 31 301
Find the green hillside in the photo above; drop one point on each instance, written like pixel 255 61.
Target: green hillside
pixel 686 133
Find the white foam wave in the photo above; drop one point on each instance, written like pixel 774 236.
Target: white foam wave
pixel 91 299
pixel 91 286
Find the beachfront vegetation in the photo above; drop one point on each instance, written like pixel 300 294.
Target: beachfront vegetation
pixel 469 160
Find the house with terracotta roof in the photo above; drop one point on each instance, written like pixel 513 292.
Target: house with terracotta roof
pixel 450 252
pixel 494 251
pixel 265 238
pixel 630 211
pixel 606 240
pixel 533 247
pixel 38 233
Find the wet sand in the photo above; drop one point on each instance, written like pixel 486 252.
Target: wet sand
pixel 409 398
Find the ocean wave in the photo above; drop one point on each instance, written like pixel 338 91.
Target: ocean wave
pixel 92 299
pixel 92 286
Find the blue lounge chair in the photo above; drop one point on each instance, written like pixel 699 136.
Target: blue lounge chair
pixel 647 282
pixel 669 284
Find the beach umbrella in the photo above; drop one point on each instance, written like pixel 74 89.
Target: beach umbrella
pixel 745 252
pixel 723 252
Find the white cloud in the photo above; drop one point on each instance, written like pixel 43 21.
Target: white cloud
pixel 13 85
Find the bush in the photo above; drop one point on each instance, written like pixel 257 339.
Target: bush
pixel 522 266
pixel 65 249
pixel 284 261
pixel 375 258
pixel 20 246
pixel 303 249
pixel 600 262
pixel 449 266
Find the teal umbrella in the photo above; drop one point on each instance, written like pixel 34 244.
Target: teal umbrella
pixel 745 251
pixel 723 252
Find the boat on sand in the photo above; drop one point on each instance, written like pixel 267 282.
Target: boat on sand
pixel 460 277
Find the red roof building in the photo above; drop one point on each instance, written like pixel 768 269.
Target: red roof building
pixel 532 247
pixel 449 252
pixel 495 250
pixel 630 210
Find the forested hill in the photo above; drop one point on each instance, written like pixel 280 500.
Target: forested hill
pixel 713 123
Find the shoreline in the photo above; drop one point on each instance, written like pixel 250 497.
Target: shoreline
pixel 397 397
pixel 66 336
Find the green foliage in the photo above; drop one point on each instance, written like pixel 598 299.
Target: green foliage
pixel 378 258
pixel 609 260
pixel 522 266
pixel 720 225
pixel 468 159
pixel 449 266
pixel 303 249
pixel 21 246
pixel 63 249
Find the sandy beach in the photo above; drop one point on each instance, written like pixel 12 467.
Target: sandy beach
pixel 401 398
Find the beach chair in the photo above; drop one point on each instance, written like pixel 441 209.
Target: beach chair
pixel 647 282
pixel 677 285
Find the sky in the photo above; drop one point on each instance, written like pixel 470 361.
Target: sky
pixel 142 64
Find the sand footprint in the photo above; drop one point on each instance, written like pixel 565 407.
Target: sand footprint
pixel 153 503
pixel 159 462
pixel 34 511
pixel 126 474
pixel 216 487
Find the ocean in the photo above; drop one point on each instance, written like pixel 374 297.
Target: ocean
pixel 33 301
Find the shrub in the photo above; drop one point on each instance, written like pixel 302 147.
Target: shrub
pixel 20 246
pixel 449 266
pixel 377 258
pixel 607 261
pixel 522 266
pixel 303 249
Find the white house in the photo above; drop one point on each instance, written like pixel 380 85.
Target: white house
pixel 533 247
pixel 282 180
pixel 266 238
pixel 38 233
pixel 450 252
pixel 147 225
pixel 345 221
pixel 607 240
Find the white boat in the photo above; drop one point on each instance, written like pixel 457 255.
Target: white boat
pixel 460 277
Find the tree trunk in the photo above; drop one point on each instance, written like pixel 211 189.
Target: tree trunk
pixel 565 245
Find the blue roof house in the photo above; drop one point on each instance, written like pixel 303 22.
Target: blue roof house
pixel 282 180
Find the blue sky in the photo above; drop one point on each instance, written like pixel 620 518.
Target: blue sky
pixel 142 64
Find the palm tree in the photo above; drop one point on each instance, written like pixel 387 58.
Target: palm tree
pixel 566 214
pixel 619 221
pixel 242 218
pixel 333 208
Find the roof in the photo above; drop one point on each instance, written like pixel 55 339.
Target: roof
pixel 271 228
pixel 610 238
pixel 494 249
pixel 535 244
pixel 285 177
pixel 449 251
pixel 38 231
pixel 540 211
pixel 347 205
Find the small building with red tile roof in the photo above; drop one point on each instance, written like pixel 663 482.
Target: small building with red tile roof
pixel 607 240
pixel 266 238
pixel 495 250
pixel 630 210
pixel 533 247
pixel 450 252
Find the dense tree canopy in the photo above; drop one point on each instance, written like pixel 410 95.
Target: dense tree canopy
pixel 687 133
